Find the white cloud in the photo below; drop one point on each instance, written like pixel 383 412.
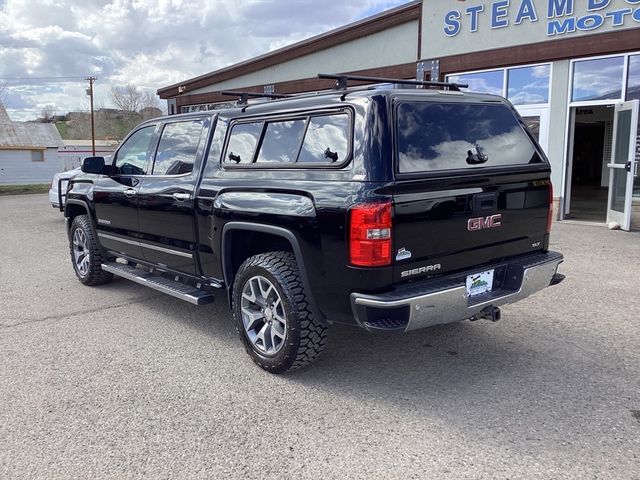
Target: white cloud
pixel 148 43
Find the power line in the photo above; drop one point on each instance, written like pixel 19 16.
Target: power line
pixel 71 77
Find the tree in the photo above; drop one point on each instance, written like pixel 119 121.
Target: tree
pixel 47 113
pixel 132 99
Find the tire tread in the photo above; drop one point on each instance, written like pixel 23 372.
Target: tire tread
pixel 312 334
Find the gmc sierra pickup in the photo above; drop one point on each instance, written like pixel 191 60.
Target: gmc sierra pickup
pixel 390 209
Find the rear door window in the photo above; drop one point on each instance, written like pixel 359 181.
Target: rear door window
pixel 436 136
pixel 177 148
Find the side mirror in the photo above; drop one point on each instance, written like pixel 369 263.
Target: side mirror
pixel 93 165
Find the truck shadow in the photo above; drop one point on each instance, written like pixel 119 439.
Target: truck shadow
pixel 532 376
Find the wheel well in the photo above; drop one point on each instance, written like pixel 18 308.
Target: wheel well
pixel 247 243
pixel 241 244
pixel 72 210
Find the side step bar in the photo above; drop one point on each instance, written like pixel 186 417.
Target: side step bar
pixel 171 287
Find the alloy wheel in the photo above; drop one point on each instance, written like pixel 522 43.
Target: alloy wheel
pixel 263 315
pixel 80 252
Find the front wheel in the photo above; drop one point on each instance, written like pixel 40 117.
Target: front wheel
pixel 86 255
pixel 273 316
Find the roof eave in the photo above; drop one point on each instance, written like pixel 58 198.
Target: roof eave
pixel 376 23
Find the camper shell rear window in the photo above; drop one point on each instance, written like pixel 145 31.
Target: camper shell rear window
pixel 457 136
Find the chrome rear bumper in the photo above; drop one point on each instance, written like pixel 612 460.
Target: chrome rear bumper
pixel 445 300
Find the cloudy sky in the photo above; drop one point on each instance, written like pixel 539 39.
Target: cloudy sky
pixel 47 47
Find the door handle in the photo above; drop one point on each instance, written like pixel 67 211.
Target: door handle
pixel 181 197
pixel 627 167
pixel 129 192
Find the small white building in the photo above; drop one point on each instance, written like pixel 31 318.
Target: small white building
pixel 73 152
pixel 28 151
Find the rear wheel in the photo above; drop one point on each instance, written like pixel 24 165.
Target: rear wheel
pixel 273 316
pixel 86 256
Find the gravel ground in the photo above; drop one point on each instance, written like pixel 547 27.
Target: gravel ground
pixel 119 381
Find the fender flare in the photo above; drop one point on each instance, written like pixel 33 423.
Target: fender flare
pixel 273 230
pixel 89 211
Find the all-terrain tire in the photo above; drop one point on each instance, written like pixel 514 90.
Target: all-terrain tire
pixel 305 336
pixel 90 272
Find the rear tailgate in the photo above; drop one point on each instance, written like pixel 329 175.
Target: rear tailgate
pixel 471 188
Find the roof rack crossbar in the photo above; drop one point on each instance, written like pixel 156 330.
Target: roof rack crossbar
pixel 243 97
pixel 342 81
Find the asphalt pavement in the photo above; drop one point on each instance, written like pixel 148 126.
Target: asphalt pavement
pixel 120 381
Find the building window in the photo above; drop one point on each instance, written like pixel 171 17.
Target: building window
pixel 633 78
pixel 37 155
pixel 481 82
pixel 599 79
pixel 528 85
pixel 204 107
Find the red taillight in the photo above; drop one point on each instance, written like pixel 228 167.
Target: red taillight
pixel 370 235
pixel 550 214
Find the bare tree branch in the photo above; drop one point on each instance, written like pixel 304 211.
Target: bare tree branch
pixel 47 112
pixel 127 98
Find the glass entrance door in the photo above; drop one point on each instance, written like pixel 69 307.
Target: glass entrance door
pixel 623 167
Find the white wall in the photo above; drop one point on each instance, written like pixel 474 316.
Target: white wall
pixel 393 46
pixel 16 167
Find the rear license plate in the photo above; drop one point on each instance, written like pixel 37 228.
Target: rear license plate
pixel 479 283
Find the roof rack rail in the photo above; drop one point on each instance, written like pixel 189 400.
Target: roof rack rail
pixel 243 97
pixel 342 81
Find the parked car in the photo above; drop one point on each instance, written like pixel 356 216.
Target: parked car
pixel 53 191
pixel 391 210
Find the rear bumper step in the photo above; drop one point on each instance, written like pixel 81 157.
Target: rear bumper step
pixel 176 289
pixel 445 300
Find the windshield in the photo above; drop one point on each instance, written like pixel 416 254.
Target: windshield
pixel 437 136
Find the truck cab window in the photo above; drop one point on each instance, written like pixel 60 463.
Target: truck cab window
pixel 131 158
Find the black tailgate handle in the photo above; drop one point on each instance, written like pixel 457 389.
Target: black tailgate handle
pixel 485 202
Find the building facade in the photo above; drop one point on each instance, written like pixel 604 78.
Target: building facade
pixel 28 151
pixel 571 68
pixel 73 152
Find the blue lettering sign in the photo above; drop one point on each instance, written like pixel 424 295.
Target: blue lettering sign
pixel 618 16
pixel 526 11
pixel 566 25
pixel 593 5
pixel 636 15
pixel 452 23
pixel 633 2
pixel 473 14
pixel 498 14
pixel 590 22
pixel 559 8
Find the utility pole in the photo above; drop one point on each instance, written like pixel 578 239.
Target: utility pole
pixel 93 129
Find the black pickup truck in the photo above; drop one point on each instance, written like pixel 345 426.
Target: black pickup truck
pixel 389 209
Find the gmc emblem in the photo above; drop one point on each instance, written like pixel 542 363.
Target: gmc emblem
pixel 480 223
